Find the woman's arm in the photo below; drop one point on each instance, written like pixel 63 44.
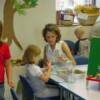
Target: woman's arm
pixel 67 51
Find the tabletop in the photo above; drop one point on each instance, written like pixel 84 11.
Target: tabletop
pixel 79 86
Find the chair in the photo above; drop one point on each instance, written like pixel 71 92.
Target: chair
pixel 28 91
pixel 71 45
pixel 80 60
pixel 14 95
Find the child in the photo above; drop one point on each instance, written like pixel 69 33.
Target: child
pixel 36 75
pixel 5 65
pixel 82 45
pixel 55 51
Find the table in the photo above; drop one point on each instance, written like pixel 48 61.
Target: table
pixel 79 87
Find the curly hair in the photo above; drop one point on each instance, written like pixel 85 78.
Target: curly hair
pixel 30 52
pixel 51 28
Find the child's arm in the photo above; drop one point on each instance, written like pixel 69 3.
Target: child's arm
pixel 46 75
pixel 8 67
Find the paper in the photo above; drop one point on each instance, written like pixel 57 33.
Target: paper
pixel 83 16
pixel 68 17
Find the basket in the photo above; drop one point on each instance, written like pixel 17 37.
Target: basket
pixel 67 22
pixel 87 14
pixel 67 17
pixel 90 20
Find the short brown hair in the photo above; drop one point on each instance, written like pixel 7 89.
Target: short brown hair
pixel 30 52
pixel 0 29
pixel 51 28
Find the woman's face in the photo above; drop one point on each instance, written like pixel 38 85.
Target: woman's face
pixel 51 38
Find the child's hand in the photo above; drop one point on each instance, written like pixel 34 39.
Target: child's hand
pixel 48 64
pixel 11 84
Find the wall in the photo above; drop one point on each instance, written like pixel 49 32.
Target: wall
pixel 68 32
pixel 28 28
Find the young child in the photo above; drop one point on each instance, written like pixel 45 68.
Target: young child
pixel 82 45
pixel 36 75
pixel 5 65
pixel 55 51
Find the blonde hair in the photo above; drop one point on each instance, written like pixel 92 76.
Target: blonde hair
pixel 79 30
pixel 30 52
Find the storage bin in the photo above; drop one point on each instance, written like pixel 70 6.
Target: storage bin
pixel 87 14
pixel 67 17
pixel 89 21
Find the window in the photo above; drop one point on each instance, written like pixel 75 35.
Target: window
pixel 97 3
pixel 62 5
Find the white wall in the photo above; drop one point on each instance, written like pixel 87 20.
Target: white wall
pixel 28 28
pixel 68 32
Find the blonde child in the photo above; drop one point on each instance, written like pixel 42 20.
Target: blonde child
pixel 36 75
pixel 82 45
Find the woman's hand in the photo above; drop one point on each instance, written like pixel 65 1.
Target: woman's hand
pixel 61 58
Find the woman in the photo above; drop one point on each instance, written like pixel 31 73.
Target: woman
pixel 55 51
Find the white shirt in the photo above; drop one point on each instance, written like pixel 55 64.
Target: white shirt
pixel 53 55
pixel 33 72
